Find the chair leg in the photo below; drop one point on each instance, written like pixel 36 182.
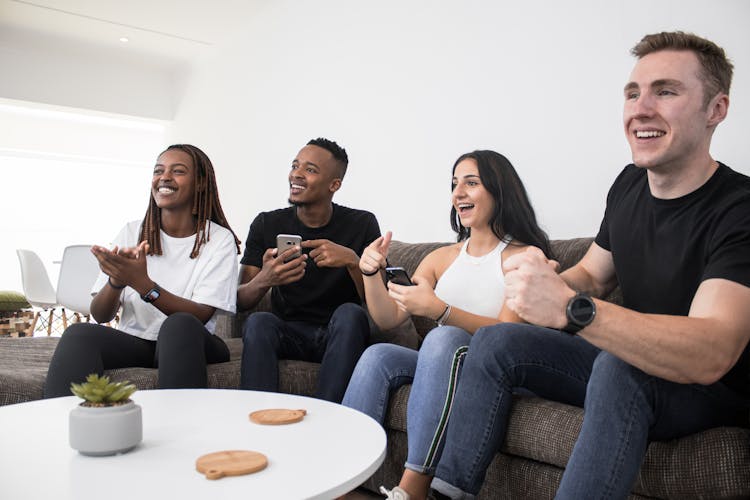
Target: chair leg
pixel 49 323
pixel 64 318
pixel 33 323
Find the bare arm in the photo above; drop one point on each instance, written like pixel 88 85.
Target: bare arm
pixel 127 267
pixel 382 308
pixel 698 348
pixel 473 322
pixel 255 282
pixel 594 274
pixel 105 303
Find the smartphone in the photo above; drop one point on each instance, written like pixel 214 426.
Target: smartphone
pixel 398 275
pixel 285 241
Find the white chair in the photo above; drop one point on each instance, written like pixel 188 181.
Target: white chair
pixel 38 290
pixel 78 272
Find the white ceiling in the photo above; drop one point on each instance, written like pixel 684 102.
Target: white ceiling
pixel 174 29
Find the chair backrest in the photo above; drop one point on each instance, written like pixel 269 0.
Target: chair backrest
pixel 78 272
pixel 36 284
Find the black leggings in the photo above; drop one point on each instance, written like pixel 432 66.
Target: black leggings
pixel 181 351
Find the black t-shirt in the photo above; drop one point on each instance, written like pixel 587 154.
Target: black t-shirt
pixel 314 298
pixel 664 249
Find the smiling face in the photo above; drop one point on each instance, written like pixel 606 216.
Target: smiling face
pixel 667 124
pixel 473 203
pixel 314 176
pixel 173 183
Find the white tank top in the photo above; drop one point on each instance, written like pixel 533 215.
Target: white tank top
pixel 475 284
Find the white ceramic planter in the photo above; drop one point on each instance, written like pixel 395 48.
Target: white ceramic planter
pixel 106 430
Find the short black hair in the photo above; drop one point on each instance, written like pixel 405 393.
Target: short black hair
pixel 339 153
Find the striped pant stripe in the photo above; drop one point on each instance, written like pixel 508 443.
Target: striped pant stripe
pixel 458 358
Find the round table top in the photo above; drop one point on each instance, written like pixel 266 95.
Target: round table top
pixel 330 452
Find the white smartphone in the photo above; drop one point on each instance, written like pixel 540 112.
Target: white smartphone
pixel 285 241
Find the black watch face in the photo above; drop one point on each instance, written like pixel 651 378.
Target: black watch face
pixel 582 310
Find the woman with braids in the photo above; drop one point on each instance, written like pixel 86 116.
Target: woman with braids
pixel 170 273
pixel 462 287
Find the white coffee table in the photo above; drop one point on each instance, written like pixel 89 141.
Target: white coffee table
pixel 332 451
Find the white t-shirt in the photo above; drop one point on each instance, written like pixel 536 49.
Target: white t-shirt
pixel 210 278
pixel 475 284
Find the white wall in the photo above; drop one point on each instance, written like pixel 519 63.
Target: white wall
pixel 407 87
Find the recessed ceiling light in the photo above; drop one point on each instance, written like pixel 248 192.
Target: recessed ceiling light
pixel 124 39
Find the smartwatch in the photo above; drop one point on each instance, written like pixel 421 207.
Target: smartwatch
pixel 580 312
pixel 152 294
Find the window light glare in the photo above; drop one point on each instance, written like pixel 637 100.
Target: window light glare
pixel 124 39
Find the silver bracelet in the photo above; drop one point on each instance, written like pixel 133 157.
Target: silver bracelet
pixel 444 317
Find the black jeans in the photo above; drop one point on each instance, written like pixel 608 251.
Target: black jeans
pixel 181 352
pixel 337 347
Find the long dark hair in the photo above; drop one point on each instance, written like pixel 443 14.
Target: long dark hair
pixel 206 205
pixel 513 213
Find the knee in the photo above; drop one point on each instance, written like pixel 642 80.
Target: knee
pixel 181 328
pixel 259 326
pixel 78 334
pixel 180 321
pixel 444 340
pixel 610 372
pixel 490 339
pixel 503 344
pixel 382 364
pixel 375 358
pixel 350 313
pixel 349 321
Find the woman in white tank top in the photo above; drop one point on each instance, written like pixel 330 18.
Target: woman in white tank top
pixel 461 287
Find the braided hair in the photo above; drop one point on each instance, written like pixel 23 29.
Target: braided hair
pixel 206 205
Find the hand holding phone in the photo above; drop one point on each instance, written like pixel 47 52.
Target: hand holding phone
pixel 286 241
pixel 398 275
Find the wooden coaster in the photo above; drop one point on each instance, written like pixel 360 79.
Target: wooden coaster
pixel 230 463
pixel 277 416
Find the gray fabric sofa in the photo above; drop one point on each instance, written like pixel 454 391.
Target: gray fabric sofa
pixel 541 434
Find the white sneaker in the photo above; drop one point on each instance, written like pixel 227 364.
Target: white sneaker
pixel 394 494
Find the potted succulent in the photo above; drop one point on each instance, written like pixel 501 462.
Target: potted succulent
pixel 108 421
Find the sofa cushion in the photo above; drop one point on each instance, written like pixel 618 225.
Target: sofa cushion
pixel 23 367
pixel 25 361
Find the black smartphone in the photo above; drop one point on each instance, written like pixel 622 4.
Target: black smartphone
pixel 398 275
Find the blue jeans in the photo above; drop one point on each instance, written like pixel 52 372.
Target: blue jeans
pixel 434 371
pixel 336 346
pixel 624 409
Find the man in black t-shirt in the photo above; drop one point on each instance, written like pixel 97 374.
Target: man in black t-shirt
pixel 316 289
pixel 673 360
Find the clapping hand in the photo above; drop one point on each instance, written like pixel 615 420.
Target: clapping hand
pixel 124 266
